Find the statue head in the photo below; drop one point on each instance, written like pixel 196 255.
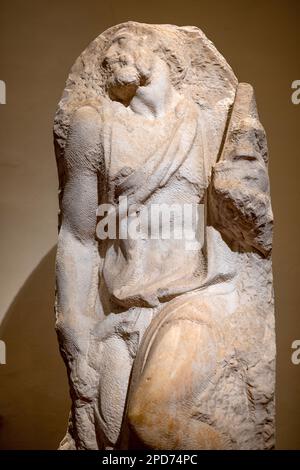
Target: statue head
pixel 130 62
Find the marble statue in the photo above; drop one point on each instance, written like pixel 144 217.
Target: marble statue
pixel 168 340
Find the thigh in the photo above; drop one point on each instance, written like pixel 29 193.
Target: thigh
pixel 177 362
pixel 180 351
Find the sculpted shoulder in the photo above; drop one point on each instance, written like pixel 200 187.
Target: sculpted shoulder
pixel 86 120
pixel 84 143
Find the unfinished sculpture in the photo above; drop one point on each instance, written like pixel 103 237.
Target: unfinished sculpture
pixel 168 344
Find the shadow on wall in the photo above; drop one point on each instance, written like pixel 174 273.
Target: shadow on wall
pixel 34 400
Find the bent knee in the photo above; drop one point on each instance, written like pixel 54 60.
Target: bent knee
pixel 177 366
pixel 151 421
pixel 170 426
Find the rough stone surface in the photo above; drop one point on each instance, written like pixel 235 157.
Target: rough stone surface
pixel 165 347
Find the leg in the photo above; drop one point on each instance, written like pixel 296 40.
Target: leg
pixel 115 344
pixel 177 360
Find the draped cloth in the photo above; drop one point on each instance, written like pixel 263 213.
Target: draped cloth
pixel 146 272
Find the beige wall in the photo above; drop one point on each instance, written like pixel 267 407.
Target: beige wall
pixel 39 41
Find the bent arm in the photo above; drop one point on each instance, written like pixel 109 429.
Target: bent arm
pixel 240 194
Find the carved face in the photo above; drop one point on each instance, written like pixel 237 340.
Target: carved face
pixel 129 63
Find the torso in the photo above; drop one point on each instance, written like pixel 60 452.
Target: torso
pixel 166 156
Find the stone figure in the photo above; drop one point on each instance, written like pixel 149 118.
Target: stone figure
pixel 168 344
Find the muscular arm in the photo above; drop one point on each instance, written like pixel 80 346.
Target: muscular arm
pixel 240 195
pixel 77 262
